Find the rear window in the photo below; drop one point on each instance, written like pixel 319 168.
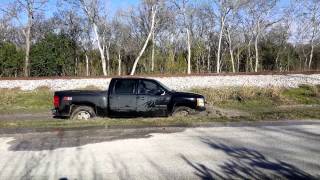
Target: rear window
pixel 125 87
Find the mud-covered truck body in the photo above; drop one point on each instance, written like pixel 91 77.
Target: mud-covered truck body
pixel 127 97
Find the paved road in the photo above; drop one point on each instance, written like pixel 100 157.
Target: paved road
pixel 261 152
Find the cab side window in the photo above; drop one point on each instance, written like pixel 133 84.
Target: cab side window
pixel 124 87
pixel 148 87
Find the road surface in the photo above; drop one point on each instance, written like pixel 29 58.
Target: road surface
pixel 254 152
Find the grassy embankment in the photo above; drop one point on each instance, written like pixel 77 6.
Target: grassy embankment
pixel 252 103
pixel 18 101
pixel 268 103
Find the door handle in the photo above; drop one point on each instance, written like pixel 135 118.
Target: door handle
pixel 142 98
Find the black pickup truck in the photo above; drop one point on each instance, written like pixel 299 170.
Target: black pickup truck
pixel 126 97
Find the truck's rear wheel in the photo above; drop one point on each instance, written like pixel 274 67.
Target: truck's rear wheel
pixel 82 113
pixel 182 111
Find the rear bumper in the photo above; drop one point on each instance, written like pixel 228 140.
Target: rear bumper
pixel 57 113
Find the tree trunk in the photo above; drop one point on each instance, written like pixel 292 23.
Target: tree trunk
pixel 152 53
pixel 146 42
pixel 315 26
pixel 219 45
pixel 197 65
pixel 27 34
pixel 257 48
pixel 208 60
pixel 119 63
pixel 203 62
pixel 238 59
pixel 231 51
pixel 76 67
pixel 27 62
pixel 288 63
pixel 108 58
pixel 257 54
pixel 277 62
pixel 249 56
pixel 189 52
pixel 101 50
pixel 311 54
pixel 87 65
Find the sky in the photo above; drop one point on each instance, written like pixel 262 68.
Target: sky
pixel 112 5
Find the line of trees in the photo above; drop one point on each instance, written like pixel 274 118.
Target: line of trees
pixel 81 38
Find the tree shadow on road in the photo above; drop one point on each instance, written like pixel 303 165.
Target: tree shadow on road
pixel 245 163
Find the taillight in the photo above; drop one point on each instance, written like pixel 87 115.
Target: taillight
pixel 56 101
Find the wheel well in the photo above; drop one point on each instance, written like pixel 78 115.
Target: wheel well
pixel 75 105
pixel 181 105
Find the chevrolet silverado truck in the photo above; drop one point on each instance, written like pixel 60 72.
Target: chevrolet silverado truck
pixel 127 97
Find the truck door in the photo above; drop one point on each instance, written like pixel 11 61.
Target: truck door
pixel 123 98
pixel 152 99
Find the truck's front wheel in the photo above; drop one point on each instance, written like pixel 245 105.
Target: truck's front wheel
pixel 82 113
pixel 182 111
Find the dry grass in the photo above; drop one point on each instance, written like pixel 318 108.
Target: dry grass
pixel 256 98
pixel 15 100
pixel 214 96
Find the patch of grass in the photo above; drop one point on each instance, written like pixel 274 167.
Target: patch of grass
pixel 251 105
pixel 304 94
pixel 289 113
pixel 255 99
pixel 16 101
pixel 240 94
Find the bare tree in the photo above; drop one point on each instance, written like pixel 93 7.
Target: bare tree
pixel 224 9
pixel 260 12
pixel 154 8
pixel 25 8
pixel 228 32
pixel 309 15
pixel 70 23
pixel 86 44
pixel 106 38
pixel 121 34
pixel 92 10
pixel 184 12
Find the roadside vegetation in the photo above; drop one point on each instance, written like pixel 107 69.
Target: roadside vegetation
pixel 256 99
pixel 18 101
pixel 224 105
pixel 267 103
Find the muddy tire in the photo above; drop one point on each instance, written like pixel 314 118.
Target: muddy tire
pixel 182 111
pixel 82 113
